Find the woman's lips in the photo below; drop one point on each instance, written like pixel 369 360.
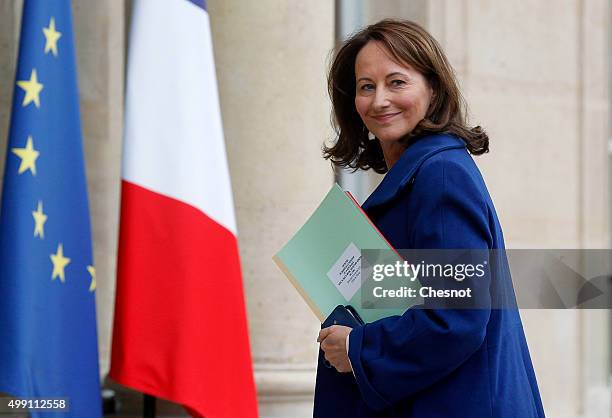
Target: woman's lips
pixel 386 117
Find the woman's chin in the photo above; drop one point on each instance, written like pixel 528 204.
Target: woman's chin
pixel 389 138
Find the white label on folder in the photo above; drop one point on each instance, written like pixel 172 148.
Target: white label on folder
pixel 345 274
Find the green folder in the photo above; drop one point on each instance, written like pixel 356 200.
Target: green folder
pixel 323 259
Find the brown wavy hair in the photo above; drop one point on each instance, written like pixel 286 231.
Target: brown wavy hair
pixel 407 42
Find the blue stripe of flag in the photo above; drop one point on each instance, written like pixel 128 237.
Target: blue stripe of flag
pixel 199 3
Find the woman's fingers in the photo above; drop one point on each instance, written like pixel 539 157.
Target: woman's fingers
pixel 325 332
pixel 333 344
pixel 338 361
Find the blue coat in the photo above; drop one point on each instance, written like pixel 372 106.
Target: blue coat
pixel 439 363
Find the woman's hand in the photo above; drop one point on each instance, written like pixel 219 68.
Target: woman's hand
pixel 333 344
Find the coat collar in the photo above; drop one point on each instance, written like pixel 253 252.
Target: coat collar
pixel 406 167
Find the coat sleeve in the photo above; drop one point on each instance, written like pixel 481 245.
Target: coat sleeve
pixel 395 357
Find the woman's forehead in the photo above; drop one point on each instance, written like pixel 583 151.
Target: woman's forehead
pixel 375 58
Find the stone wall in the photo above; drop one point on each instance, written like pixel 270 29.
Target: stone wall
pixel 535 76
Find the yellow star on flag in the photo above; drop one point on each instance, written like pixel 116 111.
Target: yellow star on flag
pixel 59 262
pixel 39 221
pixel 92 272
pixel 28 157
pixel 32 89
pixel 51 37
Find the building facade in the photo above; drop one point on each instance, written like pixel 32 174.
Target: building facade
pixel 534 74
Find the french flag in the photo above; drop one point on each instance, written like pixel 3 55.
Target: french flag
pixel 180 330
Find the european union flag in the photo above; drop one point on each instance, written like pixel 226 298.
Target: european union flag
pixel 48 338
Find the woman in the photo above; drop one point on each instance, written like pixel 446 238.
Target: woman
pixel 398 111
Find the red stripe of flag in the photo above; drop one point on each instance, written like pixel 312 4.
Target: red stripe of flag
pixel 180 329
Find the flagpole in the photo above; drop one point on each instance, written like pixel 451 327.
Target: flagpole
pixel 149 406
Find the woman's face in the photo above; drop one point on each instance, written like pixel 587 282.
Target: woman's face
pixel 391 98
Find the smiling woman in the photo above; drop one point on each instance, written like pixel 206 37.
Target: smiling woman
pixel 398 110
pixel 393 80
pixel 391 98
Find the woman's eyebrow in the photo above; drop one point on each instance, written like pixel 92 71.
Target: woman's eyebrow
pixel 393 74
pixel 396 73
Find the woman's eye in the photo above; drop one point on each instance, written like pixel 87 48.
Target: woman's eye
pixel 367 87
pixel 398 83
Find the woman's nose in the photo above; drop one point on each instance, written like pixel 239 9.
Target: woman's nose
pixel 381 99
